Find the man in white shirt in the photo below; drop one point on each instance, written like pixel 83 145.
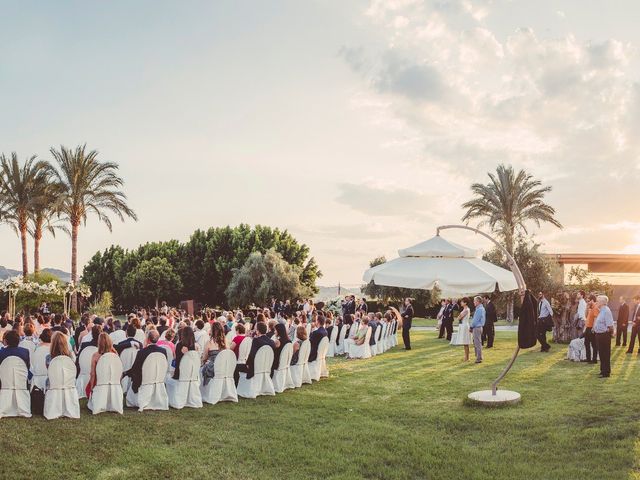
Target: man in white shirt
pixel 581 314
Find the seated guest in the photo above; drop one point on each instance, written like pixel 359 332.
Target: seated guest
pixel 11 349
pixel 57 324
pixel 105 345
pixel 200 333
pixel 130 341
pixel 135 372
pixel 260 340
pixel 45 338
pixel 318 334
pixel 215 345
pixel 81 330
pixel 281 338
pixel 328 324
pixel 59 346
pixel 29 333
pixel 301 336
pixel 271 329
pixel 96 330
pixel 187 343
pixel 163 325
pixel 237 340
pixel 359 335
pixel 169 336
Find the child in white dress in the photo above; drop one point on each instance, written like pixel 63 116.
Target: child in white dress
pixel 463 337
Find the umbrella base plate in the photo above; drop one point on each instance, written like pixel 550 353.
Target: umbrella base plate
pixel 502 397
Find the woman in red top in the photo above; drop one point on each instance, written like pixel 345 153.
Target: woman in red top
pixel 237 340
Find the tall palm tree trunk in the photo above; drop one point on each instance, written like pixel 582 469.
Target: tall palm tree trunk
pixel 74 263
pixel 25 260
pixel 37 236
pixel 510 296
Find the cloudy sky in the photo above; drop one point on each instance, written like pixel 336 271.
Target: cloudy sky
pixel 358 125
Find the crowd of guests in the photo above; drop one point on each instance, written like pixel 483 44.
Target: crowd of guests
pixel 169 329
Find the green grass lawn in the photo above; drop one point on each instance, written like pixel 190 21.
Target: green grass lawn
pixel 400 415
pixel 432 322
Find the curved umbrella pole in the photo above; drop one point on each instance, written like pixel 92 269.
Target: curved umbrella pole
pixel 522 286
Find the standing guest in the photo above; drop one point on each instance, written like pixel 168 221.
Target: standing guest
pixel 11 340
pixel 105 345
pixel 316 336
pixel 464 330
pixel 581 313
pixel 447 320
pixel 479 318
pixel 489 330
pixel 443 304
pixel 214 346
pixel 603 330
pixel 589 338
pixel 545 318
pixel 622 322
pixel 407 318
pixel 362 306
pixel 635 326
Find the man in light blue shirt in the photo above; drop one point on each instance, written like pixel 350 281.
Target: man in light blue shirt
pixel 479 317
pixel 603 329
pixel 545 318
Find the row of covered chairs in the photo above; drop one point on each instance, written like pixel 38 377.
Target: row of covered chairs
pixel 158 390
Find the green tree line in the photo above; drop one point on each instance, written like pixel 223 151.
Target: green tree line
pixel 202 268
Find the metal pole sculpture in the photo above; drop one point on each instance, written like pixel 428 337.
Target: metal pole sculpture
pixel 521 289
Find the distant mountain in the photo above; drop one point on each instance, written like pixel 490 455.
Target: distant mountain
pixel 7 272
pixel 329 293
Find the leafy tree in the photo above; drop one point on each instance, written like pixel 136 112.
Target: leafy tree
pixel 395 295
pixel 20 190
pixel 507 204
pixel 581 279
pixel 264 276
pixel 88 186
pixel 152 280
pixel 102 272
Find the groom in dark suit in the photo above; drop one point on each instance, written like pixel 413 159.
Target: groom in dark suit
pixel 489 330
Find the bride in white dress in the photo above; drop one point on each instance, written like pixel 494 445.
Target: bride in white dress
pixel 463 337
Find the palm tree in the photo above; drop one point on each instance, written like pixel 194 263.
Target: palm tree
pixel 88 186
pixel 20 188
pixel 42 214
pixel 506 204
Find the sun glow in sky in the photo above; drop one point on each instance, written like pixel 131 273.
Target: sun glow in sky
pixel 359 126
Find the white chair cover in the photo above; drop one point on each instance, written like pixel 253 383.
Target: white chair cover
pixel 139 335
pixel 319 365
pixel 260 383
pixel 152 394
pixel 61 398
pixel 185 392
pixel 39 367
pixel 127 357
pixel 222 387
pixel 343 336
pixel 378 345
pixel 118 336
pixel 282 376
pixel 394 336
pixel 29 345
pixel 201 339
pixel 107 393
pixel 244 349
pixel 332 342
pixel 85 370
pixel 229 337
pixel 308 327
pixel 170 368
pixel 361 351
pixel 14 395
pixel 300 371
